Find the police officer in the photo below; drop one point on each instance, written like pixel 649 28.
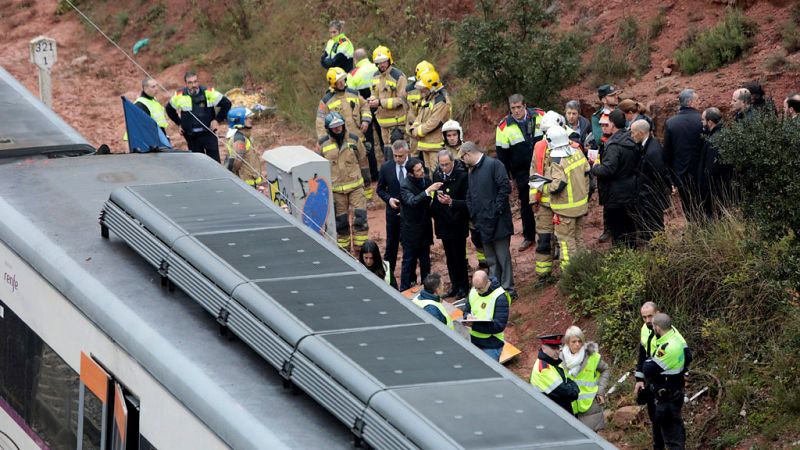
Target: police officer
pixel 664 379
pixel 338 50
pixel 434 111
pixel 647 343
pixel 569 192
pixel 243 159
pixel 349 173
pixel 489 304
pixel 548 376
pixel 388 99
pixel 201 110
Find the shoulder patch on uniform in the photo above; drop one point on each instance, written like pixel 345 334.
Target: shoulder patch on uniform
pixel 502 124
pixel 354 136
pixel 342 40
pixel 440 97
pixel 352 91
pixel 396 73
pixel 543 365
pixel 324 139
pixel 328 95
pixel 411 87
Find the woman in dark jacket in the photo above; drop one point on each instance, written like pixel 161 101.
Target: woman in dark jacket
pixel 416 233
pixel 617 172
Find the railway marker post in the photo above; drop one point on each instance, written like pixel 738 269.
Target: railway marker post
pixel 43 55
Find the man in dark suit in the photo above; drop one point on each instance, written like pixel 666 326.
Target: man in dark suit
pixel 416 234
pixel 391 174
pixel 652 181
pixel 683 143
pixel 451 219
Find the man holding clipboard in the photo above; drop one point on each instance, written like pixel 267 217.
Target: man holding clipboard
pixel 486 313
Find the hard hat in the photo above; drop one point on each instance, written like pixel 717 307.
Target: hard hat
pixel 381 54
pixel 422 67
pixel 237 116
pixel 557 137
pixel 452 125
pixel 333 120
pixel 335 74
pixel 429 80
pixel 551 119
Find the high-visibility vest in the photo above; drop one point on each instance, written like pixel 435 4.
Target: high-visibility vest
pixel 669 352
pixel 509 134
pixel 545 377
pixel 572 201
pixel 422 303
pixel 360 77
pixel 157 112
pixel 182 101
pixel 387 270
pixel 339 44
pixel 648 339
pixel 587 383
pixel 482 307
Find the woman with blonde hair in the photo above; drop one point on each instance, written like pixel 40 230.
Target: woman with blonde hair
pixel 582 363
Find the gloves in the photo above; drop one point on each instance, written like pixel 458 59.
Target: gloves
pixel 365 175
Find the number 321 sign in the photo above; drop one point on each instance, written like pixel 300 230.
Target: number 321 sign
pixel 43 52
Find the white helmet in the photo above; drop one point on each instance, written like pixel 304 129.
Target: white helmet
pixel 452 125
pixel 551 119
pixel 558 141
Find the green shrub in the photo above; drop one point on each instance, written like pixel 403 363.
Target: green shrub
pixel 510 49
pixel 607 65
pixel 790 36
pixel 657 23
pixel 718 46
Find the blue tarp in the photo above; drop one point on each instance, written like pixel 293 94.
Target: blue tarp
pixel 144 134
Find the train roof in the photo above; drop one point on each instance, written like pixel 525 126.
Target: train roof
pixel 49 210
pixel 29 128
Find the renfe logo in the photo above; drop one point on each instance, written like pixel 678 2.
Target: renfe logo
pixel 11 280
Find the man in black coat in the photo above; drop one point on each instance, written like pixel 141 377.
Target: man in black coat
pixel 490 212
pixel 714 179
pixel 652 181
pixel 683 142
pixel 392 173
pixel 416 233
pixel 617 171
pixel 451 219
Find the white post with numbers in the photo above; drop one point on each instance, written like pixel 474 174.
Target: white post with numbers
pixel 43 55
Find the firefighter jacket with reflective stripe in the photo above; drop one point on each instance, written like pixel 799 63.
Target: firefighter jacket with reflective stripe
pixel 434 111
pixel 198 107
pixel 346 160
pixel 349 104
pixel 586 380
pixel 422 303
pixel 246 162
pixel 157 112
pixel 360 78
pixel 413 100
pixel 390 88
pixel 569 190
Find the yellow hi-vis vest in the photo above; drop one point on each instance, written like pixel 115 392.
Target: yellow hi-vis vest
pixel 669 352
pixel 510 134
pixel 587 383
pixel 572 201
pixel 482 307
pixel 545 377
pixel 183 102
pixel 422 303
pixel 157 113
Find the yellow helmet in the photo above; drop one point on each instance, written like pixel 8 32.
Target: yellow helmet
pixel 381 54
pixel 335 74
pixel 429 80
pixel 422 67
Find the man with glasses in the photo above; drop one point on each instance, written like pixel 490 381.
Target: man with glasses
pixel 201 110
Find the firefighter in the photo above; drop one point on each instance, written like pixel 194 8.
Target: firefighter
pixel 434 111
pixel 388 99
pixel 413 100
pixel 569 192
pixel 243 159
pixel 453 136
pixel 540 198
pixel 349 174
pixel 350 105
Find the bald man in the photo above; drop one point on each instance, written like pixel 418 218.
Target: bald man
pixel 486 313
pixel 741 104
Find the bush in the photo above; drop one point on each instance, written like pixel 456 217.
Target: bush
pixel 718 46
pixel 790 35
pixel 607 65
pixel 657 23
pixel 510 49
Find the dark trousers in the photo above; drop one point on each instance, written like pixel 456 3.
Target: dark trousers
pixel 690 201
pixel 369 137
pixel 392 237
pixel 622 226
pixel 668 430
pixel 455 250
pixel 413 252
pixel 525 208
pixel 204 142
pixel 649 220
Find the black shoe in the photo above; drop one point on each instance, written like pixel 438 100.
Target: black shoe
pixel 604 237
pixel 526 244
pixel 483 265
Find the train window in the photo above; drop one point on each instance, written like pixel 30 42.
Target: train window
pixel 40 387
